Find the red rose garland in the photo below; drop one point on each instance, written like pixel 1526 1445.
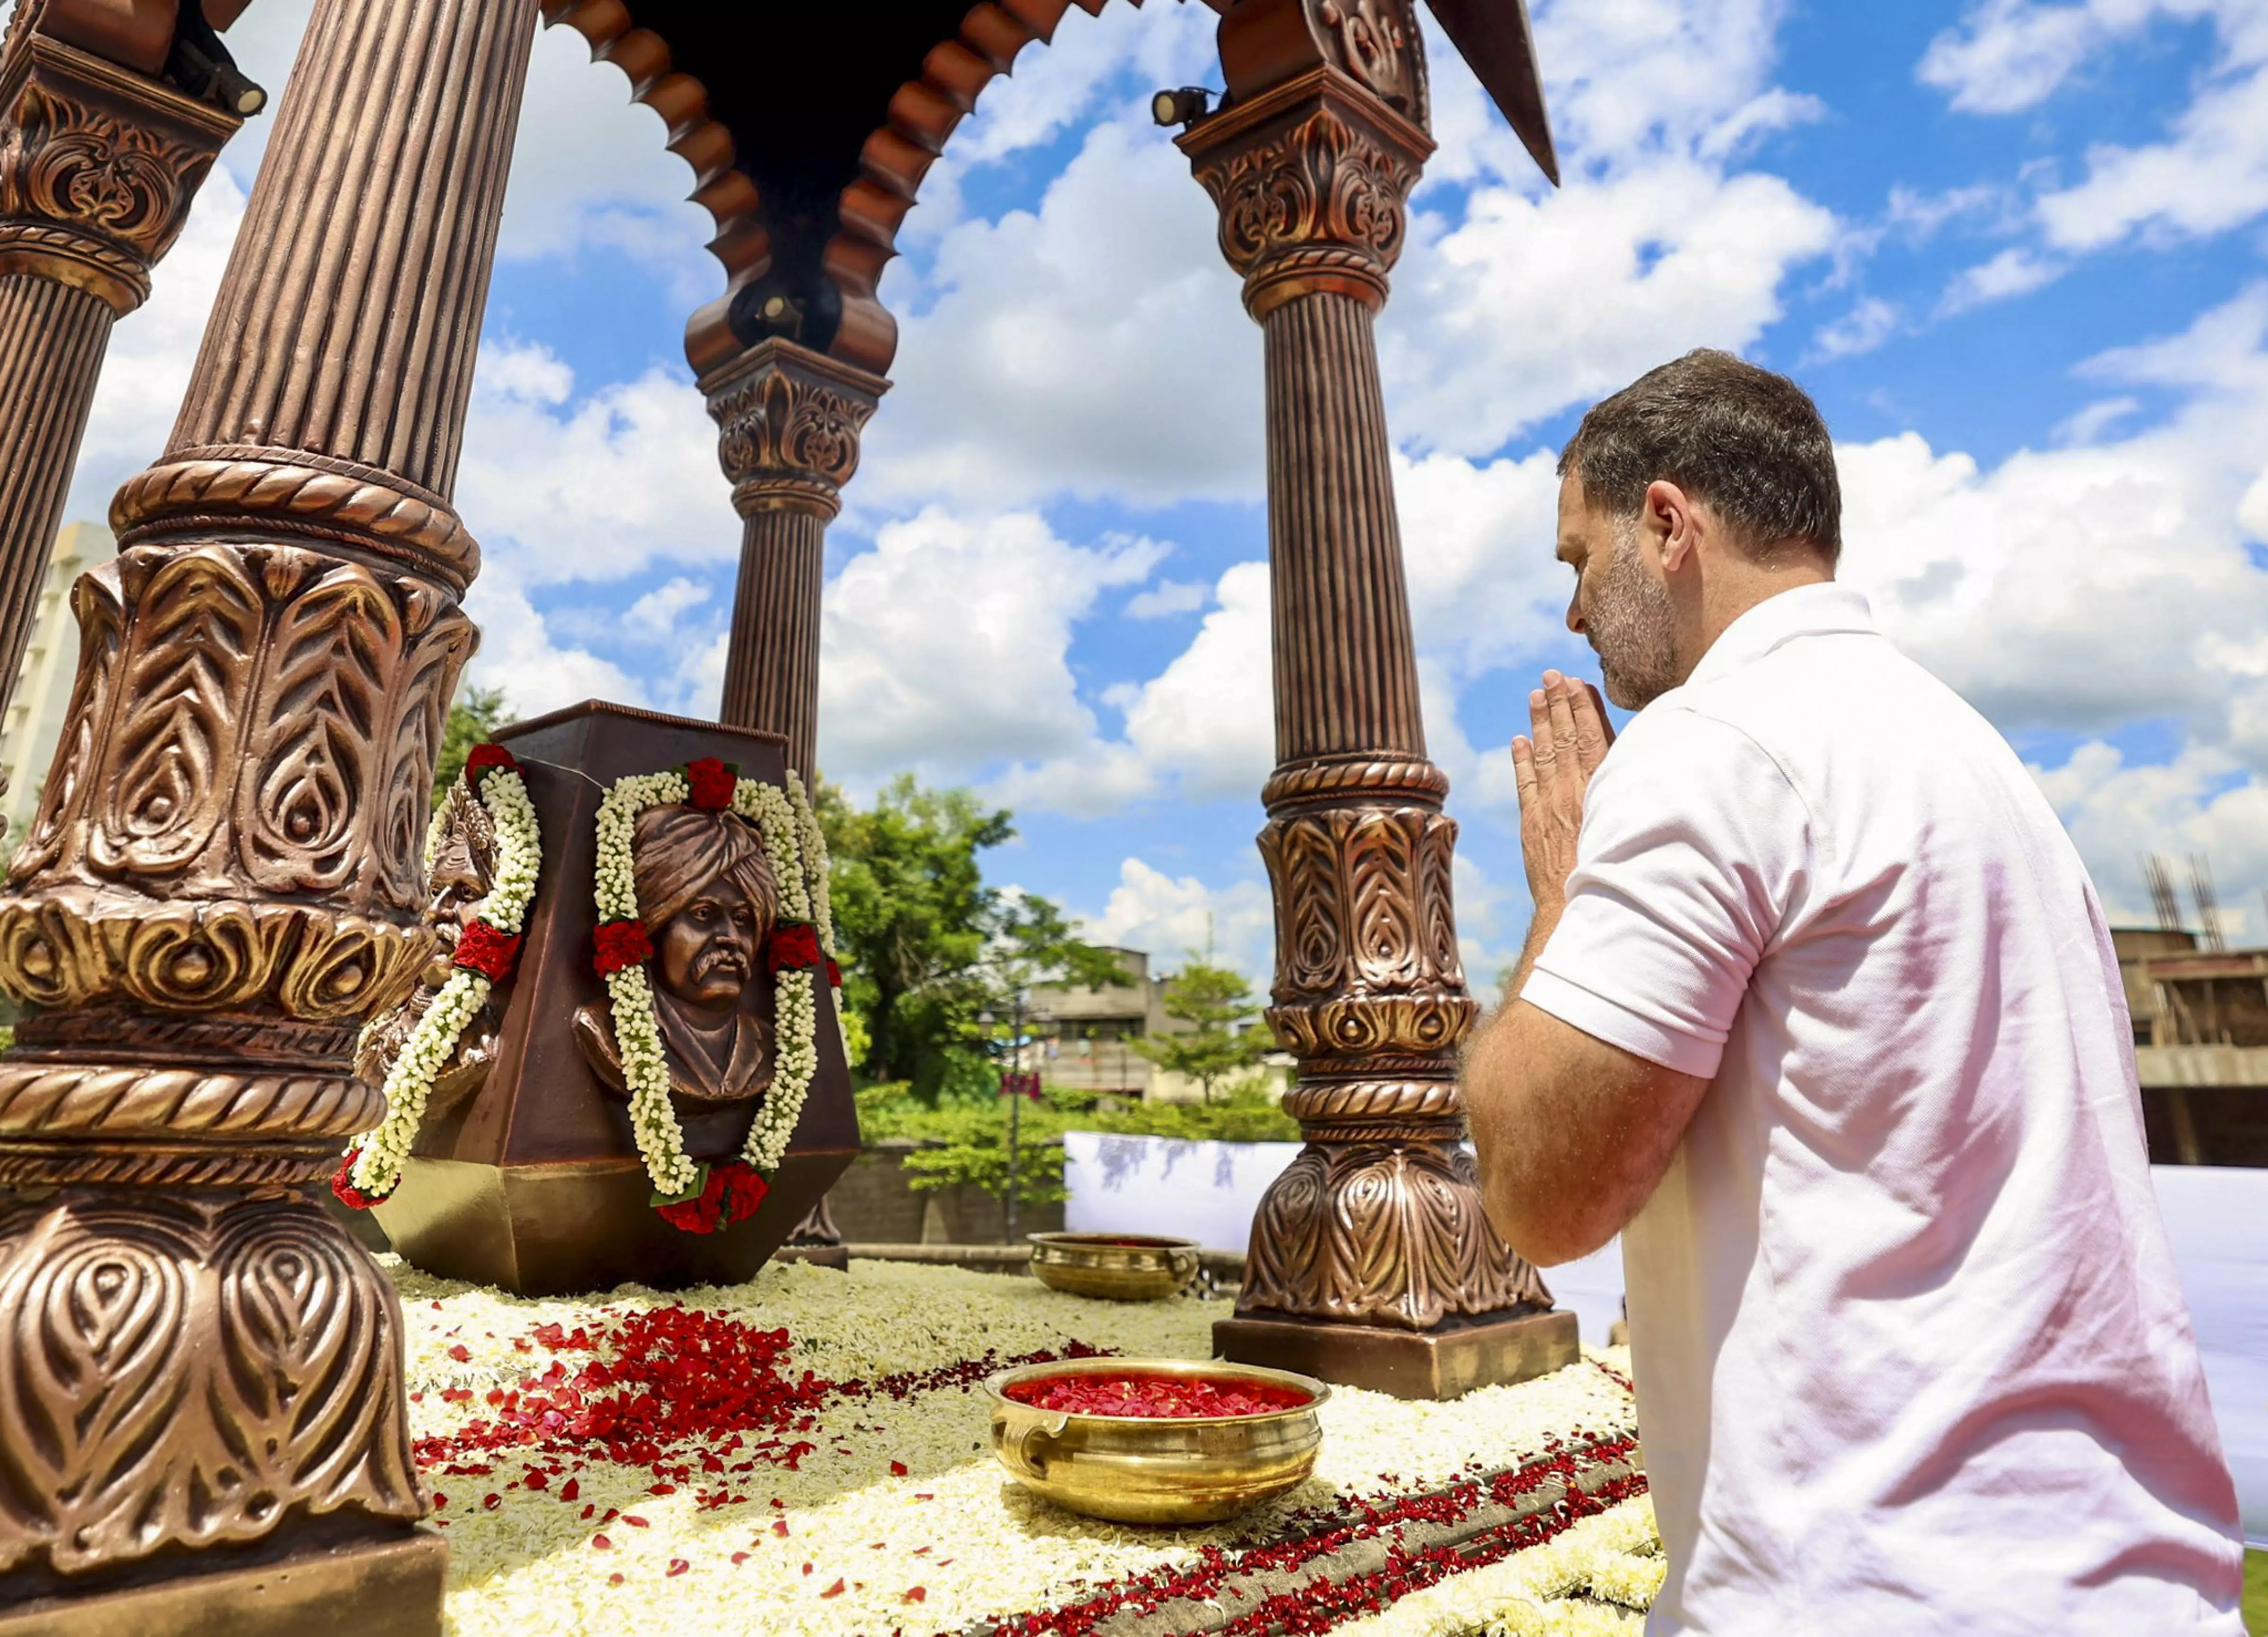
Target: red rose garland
pixel 621 944
pixel 712 783
pixel 482 948
pixel 793 946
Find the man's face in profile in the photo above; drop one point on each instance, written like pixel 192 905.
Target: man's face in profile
pixel 707 951
pixel 1619 607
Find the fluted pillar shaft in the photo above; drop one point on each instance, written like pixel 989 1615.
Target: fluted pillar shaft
pixel 52 339
pixel 1377 1225
pixel 1345 669
pixel 223 879
pixel 771 663
pixel 97 173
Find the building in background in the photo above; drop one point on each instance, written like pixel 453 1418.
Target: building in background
pixel 2200 1045
pixel 1089 1036
pixel 34 722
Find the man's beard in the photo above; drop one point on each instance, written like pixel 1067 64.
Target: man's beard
pixel 1632 625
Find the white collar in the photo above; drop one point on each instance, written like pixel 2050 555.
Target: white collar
pixel 1805 611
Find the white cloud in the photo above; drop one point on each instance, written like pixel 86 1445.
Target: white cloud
pixel 591 169
pixel 593 487
pixel 1526 300
pixel 1869 323
pixel 2012 55
pixel 944 648
pixel 1168 598
pixel 2013 272
pixel 1096 347
pixel 519 655
pixel 654 616
pixel 1173 917
pixel 1622 82
pixel 2209 175
pixel 1202 728
pixel 2197 803
pixel 1529 306
pixel 2085 587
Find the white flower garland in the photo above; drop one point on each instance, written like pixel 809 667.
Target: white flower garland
pixel 637 1031
pixel 378 1153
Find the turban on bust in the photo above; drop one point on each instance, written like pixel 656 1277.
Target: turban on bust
pixel 678 850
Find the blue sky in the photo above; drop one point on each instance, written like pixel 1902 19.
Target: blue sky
pixel 2013 248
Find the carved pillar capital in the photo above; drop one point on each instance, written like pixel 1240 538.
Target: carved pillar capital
pixel 1312 177
pixel 789 421
pixel 98 167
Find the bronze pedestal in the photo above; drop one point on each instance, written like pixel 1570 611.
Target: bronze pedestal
pixel 533 1183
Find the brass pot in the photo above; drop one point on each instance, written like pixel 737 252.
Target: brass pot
pixel 1117 1267
pixel 1139 1469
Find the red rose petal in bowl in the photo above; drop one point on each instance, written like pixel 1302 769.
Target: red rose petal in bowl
pixel 1154 1398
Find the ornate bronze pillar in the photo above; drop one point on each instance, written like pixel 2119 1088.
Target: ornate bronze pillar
pixel 98 165
pixel 200 1379
pixel 789 420
pixel 1371 1262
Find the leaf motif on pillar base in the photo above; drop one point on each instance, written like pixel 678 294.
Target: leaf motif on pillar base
pixel 248 719
pixel 1388 1234
pixel 177 1372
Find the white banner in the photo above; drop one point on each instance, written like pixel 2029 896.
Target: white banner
pixel 1202 1190
pixel 2217 1218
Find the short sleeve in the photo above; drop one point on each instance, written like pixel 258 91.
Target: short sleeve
pixel 1694 847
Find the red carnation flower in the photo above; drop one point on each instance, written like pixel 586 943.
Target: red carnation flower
pixel 793 946
pixel 745 1188
pixel 713 782
pixel 482 948
pixel 484 758
pixel 342 1184
pixel 620 943
pixel 834 972
pixel 703 1213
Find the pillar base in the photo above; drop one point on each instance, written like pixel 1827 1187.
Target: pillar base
pixel 367 1589
pixel 837 1256
pixel 1444 1363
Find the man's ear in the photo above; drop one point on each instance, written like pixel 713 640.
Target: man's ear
pixel 1670 525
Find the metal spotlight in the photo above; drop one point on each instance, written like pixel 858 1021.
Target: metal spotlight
pixel 1184 107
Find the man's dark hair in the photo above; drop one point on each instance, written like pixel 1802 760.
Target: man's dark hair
pixel 1749 442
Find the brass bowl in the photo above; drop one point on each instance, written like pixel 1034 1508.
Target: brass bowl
pixel 1139 1469
pixel 1117 1267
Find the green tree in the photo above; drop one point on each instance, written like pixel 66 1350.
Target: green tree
pixel 926 946
pixel 1218 1005
pixel 967 1142
pixel 472 720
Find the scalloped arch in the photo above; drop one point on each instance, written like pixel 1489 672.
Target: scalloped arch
pixel 896 155
pixel 729 194
pixel 922 118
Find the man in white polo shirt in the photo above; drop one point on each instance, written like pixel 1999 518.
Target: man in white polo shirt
pixel 1819 1011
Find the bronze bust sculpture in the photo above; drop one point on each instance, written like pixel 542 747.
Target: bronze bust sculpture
pixel 464 869
pixel 708 902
